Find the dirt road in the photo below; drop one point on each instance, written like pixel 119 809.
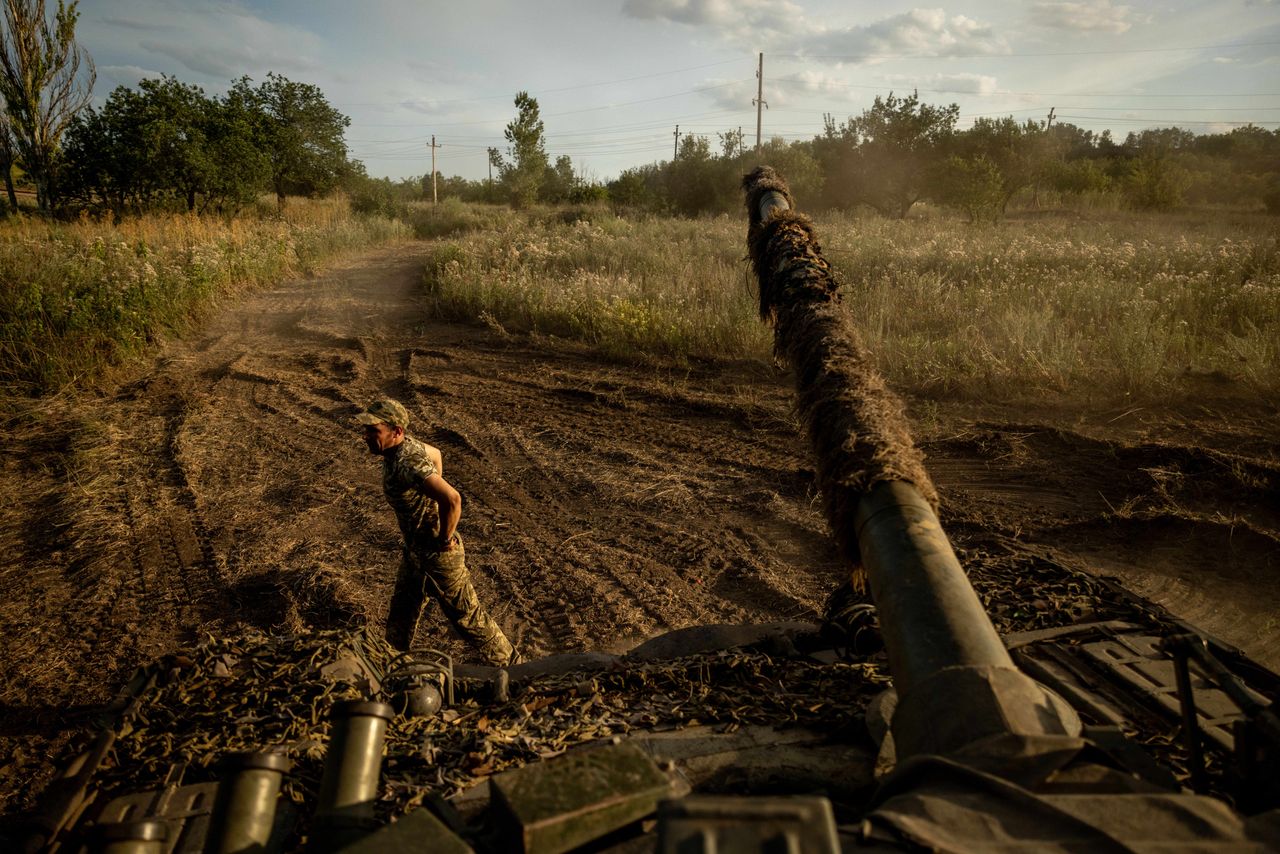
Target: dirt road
pixel 225 489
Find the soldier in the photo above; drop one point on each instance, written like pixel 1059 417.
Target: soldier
pixel 428 509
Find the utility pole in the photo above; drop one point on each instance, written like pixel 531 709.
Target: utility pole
pixel 1035 188
pixel 759 100
pixel 433 168
pixel 675 152
pixel 742 145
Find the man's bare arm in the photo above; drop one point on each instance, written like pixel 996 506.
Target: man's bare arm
pixel 438 489
pixel 433 453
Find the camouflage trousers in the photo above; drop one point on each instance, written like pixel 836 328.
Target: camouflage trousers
pixel 444 576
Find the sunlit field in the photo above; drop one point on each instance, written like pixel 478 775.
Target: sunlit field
pixel 1080 305
pixel 1106 304
pixel 77 297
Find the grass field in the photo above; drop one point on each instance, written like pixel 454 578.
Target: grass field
pixel 1098 305
pixel 1107 305
pixel 75 298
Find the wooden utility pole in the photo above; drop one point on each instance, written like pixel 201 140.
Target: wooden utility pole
pixel 759 99
pixel 433 168
pixel 675 152
pixel 1035 188
pixel 742 145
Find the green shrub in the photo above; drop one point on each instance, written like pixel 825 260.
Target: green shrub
pixel 973 185
pixel 1156 183
pixel 1271 196
pixel 453 217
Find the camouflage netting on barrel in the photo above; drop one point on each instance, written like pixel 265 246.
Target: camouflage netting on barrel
pixel 856 425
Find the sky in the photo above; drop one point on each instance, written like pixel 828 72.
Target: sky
pixel 615 78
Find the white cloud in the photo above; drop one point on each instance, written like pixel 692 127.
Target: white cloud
pixel 782 91
pixel 920 32
pixel 220 40
pixel 1224 60
pixel 738 94
pixel 741 17
pixel 814 82
pixel 127 75
pixel 960 84
pixel 442 72
pixel 133 24
pixel 1091 16
pixel 226 61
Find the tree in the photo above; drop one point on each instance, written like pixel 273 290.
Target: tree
pixel 1016 151
pixel 1156 182
pixel 495 162
pixel 890 150
pixel 7 157
pixel 1076 177
pixel 237 168
pixel 635 187
pixel 105 161
pixel 974 184
pixel 174 129
pixel 163 144
pixel 793 162
pixel 695 180
pixel 300 134
pixel 525 167
pixel 560 181
pixel 730 143
pixel 41 84
pixel 1159 141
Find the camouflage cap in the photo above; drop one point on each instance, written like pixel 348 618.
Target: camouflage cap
pixel 385 411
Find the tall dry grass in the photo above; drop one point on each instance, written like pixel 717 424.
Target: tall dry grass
pixel 1104 305
pixel 1128 304
pixel 626 286
pixel 75 298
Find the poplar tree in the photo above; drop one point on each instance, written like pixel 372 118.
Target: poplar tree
pixel 41 84
pixel 525 167
pixel 7 157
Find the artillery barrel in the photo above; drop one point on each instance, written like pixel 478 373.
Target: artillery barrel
pixel 955 680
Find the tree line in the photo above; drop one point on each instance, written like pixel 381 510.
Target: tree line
pixel 167 145
pixel 901 150
pixel 162 145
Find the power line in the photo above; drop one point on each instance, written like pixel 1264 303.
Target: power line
pixel 404 101
pixel 793 80
pixel 1166 109
pixel 430 123
pixel 887 56
pixel 618 128
pixel 1170 121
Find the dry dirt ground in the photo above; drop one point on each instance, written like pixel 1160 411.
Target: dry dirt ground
pixel 224 487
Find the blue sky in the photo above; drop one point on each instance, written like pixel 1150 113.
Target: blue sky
pixel 614 78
